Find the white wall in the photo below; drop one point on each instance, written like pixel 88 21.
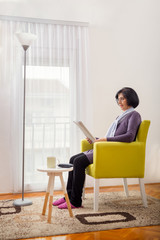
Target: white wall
pixel 124 51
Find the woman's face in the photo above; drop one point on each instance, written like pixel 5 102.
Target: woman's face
pixel 122 102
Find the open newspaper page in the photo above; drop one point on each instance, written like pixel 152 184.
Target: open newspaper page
pixel 85 130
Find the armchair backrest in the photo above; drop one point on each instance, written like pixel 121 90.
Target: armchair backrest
pixel 143 131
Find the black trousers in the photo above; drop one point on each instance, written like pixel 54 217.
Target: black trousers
pixel 76 178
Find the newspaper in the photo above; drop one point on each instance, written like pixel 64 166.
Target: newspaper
pixel 85 130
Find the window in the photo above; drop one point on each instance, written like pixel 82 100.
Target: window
pixel 47 116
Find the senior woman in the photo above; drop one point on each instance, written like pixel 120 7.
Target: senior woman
pixel 123 129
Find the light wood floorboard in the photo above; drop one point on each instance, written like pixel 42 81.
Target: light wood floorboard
pixel 139 233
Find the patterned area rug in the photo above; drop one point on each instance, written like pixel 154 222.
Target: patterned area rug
pixel 115 211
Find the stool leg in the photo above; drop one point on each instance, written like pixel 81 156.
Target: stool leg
pixel 45 203
pixel 50 209
pixel 46 197
pixel 52 176
pixel 66 195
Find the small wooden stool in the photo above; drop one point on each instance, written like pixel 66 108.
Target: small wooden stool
pixel 52 173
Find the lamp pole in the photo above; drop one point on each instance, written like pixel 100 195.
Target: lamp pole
pixel 24 114
pixel 25 40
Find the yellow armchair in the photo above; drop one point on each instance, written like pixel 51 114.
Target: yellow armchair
pixel 118 160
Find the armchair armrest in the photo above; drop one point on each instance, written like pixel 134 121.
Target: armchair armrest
pixel 85 145
pixel 117 160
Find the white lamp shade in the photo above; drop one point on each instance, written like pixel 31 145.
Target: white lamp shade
pixel 25 39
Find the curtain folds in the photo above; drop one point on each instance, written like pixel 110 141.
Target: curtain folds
pixel 57 92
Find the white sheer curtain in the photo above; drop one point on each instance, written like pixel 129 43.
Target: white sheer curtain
pixel 57 92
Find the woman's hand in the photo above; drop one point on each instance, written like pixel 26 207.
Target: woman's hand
pixel 97 140
pixel 101 140
pixel 89 140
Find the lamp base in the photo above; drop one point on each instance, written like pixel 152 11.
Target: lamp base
pixel 20 202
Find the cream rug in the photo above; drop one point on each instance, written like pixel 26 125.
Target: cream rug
pixel 115 211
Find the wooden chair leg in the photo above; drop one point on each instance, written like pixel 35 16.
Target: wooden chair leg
pixel 96 194
pixel 143 194
pixel 125 187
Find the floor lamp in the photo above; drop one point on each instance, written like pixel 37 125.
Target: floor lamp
pixel 25 40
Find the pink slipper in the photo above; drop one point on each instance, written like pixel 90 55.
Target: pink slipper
pixel 64 206
pixel 58 202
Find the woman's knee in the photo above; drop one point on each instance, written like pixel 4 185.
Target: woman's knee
pixel 72 159
pixel 81 162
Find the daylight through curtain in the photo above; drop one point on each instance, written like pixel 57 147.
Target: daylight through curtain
pixel 56 94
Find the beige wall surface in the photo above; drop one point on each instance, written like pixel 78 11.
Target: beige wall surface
pixel 124 51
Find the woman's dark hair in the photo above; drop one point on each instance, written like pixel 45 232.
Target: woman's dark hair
pixel 130 95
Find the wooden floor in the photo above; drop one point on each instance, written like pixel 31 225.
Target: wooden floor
pixel 139 233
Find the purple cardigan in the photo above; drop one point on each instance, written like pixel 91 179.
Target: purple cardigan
pixel 126 131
